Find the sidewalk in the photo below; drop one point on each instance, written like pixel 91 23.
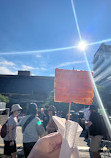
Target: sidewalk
pixel 83 148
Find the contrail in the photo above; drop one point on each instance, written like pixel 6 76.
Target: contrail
pixel 107 122
pixel 39 51
pixel 56 49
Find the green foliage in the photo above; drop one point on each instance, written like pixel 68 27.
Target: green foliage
pixel 60 106
pixel 50 99
pixel 4 98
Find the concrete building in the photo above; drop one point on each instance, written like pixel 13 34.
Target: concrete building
pixel 102 67
pixel 24 88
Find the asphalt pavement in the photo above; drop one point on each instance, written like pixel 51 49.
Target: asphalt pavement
pixel 82 145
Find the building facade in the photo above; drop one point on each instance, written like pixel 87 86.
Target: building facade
pixel 24 88
pixel 102 68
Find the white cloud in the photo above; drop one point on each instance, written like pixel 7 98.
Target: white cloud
pixel 5 70
pixel 26 67
pixel 32 74
pixel 70 63
pixel 4 62
pixel 43 68
pixel 7 67
pixel 38 56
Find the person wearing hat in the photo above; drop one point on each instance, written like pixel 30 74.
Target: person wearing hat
pixel 10 138
pixel 32 128
pixel 96 131
pixel 51 126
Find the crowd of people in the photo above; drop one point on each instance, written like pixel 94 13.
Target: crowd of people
pixel 33 129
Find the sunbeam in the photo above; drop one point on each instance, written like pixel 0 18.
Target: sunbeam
pixel 75 17
pixel 55 49
pixel 99 42
pixel 107 122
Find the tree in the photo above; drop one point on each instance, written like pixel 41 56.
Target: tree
pixel 61 106
pixel 4 98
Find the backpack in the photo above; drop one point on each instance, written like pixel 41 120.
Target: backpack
pixel 4 130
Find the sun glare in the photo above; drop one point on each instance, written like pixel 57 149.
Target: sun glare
pixel 82 45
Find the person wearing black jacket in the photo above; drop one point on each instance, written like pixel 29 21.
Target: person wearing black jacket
pixel 96 131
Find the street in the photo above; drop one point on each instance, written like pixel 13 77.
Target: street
pixel 82 145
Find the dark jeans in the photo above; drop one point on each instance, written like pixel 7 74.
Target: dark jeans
pixel 27 148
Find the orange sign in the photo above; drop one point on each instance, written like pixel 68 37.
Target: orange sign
pixel 73 86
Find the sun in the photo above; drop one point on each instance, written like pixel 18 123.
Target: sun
pixel 82 45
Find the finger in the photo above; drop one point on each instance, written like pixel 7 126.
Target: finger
pixel 46 145
pixel 39 154
pixel 55 153
pixel 55 137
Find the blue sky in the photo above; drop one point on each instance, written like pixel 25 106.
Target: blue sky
pixel 27 26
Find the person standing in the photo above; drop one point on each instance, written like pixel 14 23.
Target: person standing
pixel 96 131
pixel 44 117
pixel 31 129
pixel 10 138
pixel 51 126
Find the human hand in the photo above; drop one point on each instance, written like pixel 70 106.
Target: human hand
pixel 47 147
